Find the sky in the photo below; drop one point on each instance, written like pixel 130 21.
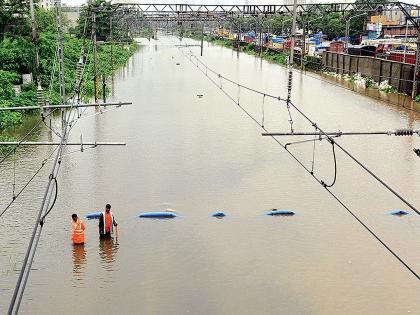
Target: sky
pixel 78 2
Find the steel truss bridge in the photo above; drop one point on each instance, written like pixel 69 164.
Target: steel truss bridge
pixel 156 11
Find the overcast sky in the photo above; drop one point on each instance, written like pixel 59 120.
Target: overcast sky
pixel 77 2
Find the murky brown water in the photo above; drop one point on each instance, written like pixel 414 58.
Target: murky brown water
pixel 199 155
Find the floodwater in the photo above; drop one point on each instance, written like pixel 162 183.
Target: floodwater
pixel 201 155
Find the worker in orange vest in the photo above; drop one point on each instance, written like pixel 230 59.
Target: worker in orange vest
pixel 107 223
pixel 78 230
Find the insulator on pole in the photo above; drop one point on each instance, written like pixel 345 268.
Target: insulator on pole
pixel 79 70
pixel 404 132
pixel 40 96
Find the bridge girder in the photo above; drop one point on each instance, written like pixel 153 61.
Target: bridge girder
pixel 152 8
pixel 157 11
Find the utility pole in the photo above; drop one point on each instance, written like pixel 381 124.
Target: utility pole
pixel 416 67
pixel 60 57
pixel 39 90
pixel 104 88
pixel 348 20
pixel 239 36
pixel 35 41
pixel 95 62
pixel 240 30
pixel 202 38
pixel 347 35
pixel 303 52
pixel 111 37
pixel 292 48
pixel 260 22
pixel 405 39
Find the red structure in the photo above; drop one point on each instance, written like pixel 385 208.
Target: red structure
pixel 399 31
pixel 337 47
pixel 398 55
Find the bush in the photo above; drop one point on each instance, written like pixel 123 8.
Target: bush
pixel 369 82
pixel 7 79
pixel 9 119
pixel 4 149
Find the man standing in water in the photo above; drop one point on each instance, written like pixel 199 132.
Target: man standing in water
pixel 78 230
pixel 107 223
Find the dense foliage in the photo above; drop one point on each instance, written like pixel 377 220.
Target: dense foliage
pixel 17 51
pixel 103 11
pixel 332 24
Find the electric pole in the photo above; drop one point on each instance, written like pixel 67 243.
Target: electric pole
pixel 95 65
pixel 302 55
pixel 290 63
pixel 35 41
pixel 202 38
pixel 111 38
pixel 260 22
pixel 60 56
pixel 416 67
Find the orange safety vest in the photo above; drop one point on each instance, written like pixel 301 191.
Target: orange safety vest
pixel 111 223
pixel 78 232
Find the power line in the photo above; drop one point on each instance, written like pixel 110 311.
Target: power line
pixel 30 132
pixel 45 208
pixel 397 132
pixel 43 163
pixel 393 253
pixel 312 123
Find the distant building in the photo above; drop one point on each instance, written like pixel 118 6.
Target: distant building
pixel 399 31
pixel 291 2
pixel 46 4
pixel 397 16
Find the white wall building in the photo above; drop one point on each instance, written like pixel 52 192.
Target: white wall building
pixel 46 4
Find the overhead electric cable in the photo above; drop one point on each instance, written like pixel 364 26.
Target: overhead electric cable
pixel 45 208
pixel 312 123
pixel 29 133
pixel 393 253
pixel 27 183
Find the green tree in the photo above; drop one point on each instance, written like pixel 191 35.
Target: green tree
pixel 331 24
pixel 7 79
pixel 13 17
pixel 103 11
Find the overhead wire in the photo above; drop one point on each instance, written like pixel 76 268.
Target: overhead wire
pixel 45 208
pixel 335 168
pixel 21 140
pixel 313 153
pixel 42 213
pixel 13 150
pixel 312 123
pixel 351 89
pixel 15 197
pixel 393 253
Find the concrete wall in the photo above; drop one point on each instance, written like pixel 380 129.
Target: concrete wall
pixel 398 74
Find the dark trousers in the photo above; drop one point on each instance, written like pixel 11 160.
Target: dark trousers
pixel 106 235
